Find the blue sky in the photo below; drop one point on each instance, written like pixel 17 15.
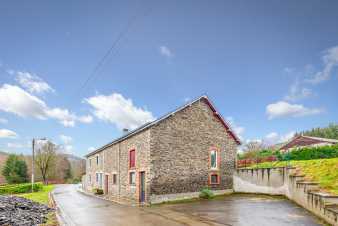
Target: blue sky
pixel 269 67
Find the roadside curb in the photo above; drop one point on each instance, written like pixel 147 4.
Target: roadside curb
pixel 104 198
pixel 61 216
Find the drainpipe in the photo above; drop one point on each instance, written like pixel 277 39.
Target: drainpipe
pixel 119 173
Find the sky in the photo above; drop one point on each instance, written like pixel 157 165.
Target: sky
pixel 78 72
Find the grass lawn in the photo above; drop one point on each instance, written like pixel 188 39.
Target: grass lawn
pixel 323 171
pixel 40 196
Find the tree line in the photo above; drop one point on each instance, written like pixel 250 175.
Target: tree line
pixel 330 132
pixel 50 166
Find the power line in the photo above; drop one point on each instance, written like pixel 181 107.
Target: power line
pixel 113 48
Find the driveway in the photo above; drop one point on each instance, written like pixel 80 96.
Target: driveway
pixel 236 210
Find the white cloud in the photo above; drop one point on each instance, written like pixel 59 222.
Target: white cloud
pixel 90 149
pixel 274 138
pixel 68 149
pixel 3 121
pixel 32 83
pixel 330 60
pixel 14 99
pixel 287 137
pixel 239 130
pixel 85 119
pixel 5 133
pixel 285 109
pixel 66 139
pixel 19 145
pixel 120 111
pixel 165 51
pixel 296 92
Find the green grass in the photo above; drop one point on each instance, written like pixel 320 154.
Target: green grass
pixel 40 196
pixel 323 171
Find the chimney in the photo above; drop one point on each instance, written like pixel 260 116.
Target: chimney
pixel 125 130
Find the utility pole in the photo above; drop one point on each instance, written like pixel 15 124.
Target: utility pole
pixel 33 153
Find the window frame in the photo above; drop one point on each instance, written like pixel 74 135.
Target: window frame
pixel 129 158
pixel 217 152
pixel 130 178
pixel 217 176
pixel 97 160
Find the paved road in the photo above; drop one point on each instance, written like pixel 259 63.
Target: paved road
pixel 237 210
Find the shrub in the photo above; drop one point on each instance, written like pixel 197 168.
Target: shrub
pixel 19 188
pixel 15 170
pixel 206 193
pixel 308 153
pixel 98 191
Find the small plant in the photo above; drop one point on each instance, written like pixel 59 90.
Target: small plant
pixel 206 193
pixel 98 191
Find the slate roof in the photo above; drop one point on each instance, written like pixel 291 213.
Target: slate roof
pixel 150 124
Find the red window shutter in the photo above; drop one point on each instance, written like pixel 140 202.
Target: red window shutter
pixel 132 158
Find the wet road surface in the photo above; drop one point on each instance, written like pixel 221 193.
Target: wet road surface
pixel 237 210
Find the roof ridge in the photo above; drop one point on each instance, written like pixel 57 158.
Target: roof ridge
pixel 320 138
pixel 163 117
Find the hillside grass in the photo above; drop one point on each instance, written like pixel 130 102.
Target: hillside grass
pixel 40 196
pixel 323 171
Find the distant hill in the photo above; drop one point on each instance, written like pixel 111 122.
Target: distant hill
pixel 3 157
pixel 78 165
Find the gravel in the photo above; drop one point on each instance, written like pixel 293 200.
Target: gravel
pixel 17 211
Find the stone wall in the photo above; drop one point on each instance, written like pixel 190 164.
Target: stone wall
pixel 180 149
pixel 91 170
pixel 116 161
pixel 285 181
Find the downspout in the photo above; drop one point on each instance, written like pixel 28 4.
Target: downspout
pixel 119 173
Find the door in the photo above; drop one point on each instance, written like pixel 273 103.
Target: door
pixel 142 187
pixel 106 181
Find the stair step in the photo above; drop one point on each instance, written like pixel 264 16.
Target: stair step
pixel 307 182
pixel 332 207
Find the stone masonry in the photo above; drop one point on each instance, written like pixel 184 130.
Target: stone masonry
pixel 174 153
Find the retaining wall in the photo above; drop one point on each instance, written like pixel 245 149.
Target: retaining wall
pixel 285 181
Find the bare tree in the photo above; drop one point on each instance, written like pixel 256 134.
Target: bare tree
pixel 45 158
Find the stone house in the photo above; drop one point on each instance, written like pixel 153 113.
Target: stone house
pixel 170 158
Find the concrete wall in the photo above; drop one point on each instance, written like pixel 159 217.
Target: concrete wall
pixel 285 181
pixel 180 150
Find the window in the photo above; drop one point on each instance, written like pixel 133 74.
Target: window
pixel 132 178
pixel 214 179
pixel 132 159
pixel 213 159
pixel 97 160
pixel 90 163
pixel 99 178
pixel 90 178
pixel 114 178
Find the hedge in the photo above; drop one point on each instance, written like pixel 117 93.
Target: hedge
pixel 19 188
pixel 308 153
pixel 305 153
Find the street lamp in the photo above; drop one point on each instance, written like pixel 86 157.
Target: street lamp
pixel 33 159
